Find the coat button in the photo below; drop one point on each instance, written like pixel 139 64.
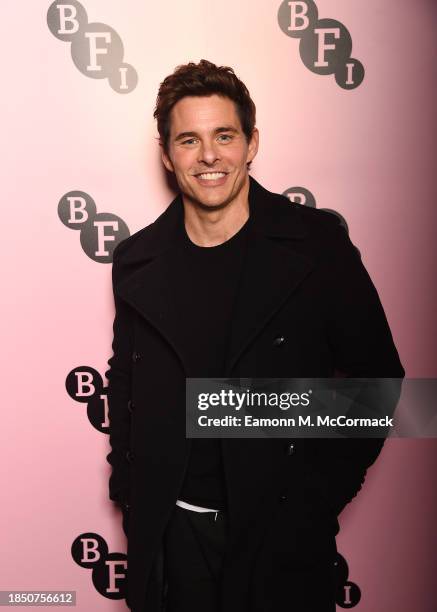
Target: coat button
pixel 136 356
pixel 130 405
pixel 130 456
pixel 282 498
pixel 278 341
pixel 290 449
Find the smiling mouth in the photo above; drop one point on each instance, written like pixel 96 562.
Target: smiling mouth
pixel 211 176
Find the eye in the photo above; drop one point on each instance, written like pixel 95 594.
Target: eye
pixel 227 136
pixel 188 141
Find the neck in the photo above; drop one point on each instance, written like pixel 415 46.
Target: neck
pixel 213 227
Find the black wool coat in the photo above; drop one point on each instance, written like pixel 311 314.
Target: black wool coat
pixel 303 280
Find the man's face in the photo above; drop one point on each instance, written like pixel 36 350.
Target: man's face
pixel 208 150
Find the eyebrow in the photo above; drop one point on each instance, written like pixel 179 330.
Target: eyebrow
pixel 225 128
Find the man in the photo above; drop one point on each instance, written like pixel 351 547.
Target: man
pixel 232 280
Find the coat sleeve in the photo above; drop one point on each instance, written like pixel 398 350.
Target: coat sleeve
pixel 362 347
pixel 118 394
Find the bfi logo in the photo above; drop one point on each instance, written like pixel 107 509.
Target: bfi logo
pixel 300 195
pixel 304 197
pixel 96 49
pixel 109 570
pixel 85 385
pixel 99 232
pixel 348 594
pixel 325 44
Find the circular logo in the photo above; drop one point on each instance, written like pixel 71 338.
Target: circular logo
pixel 97 411
pixel 341 570
pixel 88 549
pixel 83 383
pixel 350 74
pixel 300 195
pixel 75 208
pixel 109 576
pixel 325 48
pixel 66 19
pixel 101 235
pixel 124 79
pixel 97 50
pixel 295 18
pixel 348 595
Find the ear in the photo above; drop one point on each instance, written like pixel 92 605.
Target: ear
pixel 166 160
pixel 253 145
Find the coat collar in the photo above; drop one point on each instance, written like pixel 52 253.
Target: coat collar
pixel 271 215
pixel 146 266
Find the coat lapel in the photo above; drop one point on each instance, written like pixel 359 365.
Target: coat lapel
pixel 270 274
pixel 147 275
pixel 147 269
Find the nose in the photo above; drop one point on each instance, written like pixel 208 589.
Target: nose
pixel 208 152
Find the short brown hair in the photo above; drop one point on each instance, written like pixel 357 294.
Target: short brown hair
pixel 202 79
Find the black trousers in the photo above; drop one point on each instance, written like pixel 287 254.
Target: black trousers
pixel 194 546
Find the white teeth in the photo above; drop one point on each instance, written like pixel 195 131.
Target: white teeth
pixel 211 176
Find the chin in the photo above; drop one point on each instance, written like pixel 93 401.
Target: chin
pixel 214 201
pixel 213 205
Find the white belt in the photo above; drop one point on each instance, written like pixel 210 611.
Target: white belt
pixel 187 506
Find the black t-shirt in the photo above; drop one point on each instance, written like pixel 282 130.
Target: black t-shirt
pixel 205 296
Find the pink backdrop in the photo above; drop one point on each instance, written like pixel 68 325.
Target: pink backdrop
pixel 366 153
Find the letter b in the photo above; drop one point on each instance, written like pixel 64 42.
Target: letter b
pixel 66 19
pixel 296 16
